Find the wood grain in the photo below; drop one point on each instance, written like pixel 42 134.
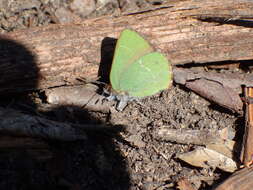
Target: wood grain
pixel 247 149
pixel 241 179
pixel 58 54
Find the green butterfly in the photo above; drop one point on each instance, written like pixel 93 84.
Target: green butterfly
pixel 137 71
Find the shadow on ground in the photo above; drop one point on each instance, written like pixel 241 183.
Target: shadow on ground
pixel 94 163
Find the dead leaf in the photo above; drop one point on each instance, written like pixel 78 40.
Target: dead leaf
pixel 204 157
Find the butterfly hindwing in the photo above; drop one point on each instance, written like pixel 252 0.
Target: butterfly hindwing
pixel 146 76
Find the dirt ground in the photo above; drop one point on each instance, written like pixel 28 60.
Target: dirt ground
pixel 130 159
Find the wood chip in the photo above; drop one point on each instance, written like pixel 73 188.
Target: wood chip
pixel 204 157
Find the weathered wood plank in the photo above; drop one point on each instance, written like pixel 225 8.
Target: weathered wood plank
pixel 58 54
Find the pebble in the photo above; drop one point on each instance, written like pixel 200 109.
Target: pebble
pixel 64 15
pixel 83 7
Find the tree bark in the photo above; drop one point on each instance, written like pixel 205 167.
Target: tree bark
pixel 16 123
pixel 241 179
pixel 36 148
pixel 186 32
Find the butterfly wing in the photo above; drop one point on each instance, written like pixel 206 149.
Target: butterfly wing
pixel 146 76
pixel 129 48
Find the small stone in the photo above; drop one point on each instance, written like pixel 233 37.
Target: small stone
pixel 128 5
pixel 103 2
pixel 18 6
pixel 136 141
pixel 65 16
pixel 155 2
pixel 83 7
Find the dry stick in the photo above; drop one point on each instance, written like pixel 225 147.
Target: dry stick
pixel 16 123
pixel 22 142
pixel 221 88
pixel 35 147
pixel 247 150
pixel 54 55
pixel 84 96
pixel 239 180
pixel 188 136
pixel 218 141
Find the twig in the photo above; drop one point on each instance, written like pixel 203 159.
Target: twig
pixel 16 123
pixel 221 88
pixel 239 180
pixel 84 96
pixel 247 150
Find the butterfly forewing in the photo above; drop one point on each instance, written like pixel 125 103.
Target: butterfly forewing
pixel 129 48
